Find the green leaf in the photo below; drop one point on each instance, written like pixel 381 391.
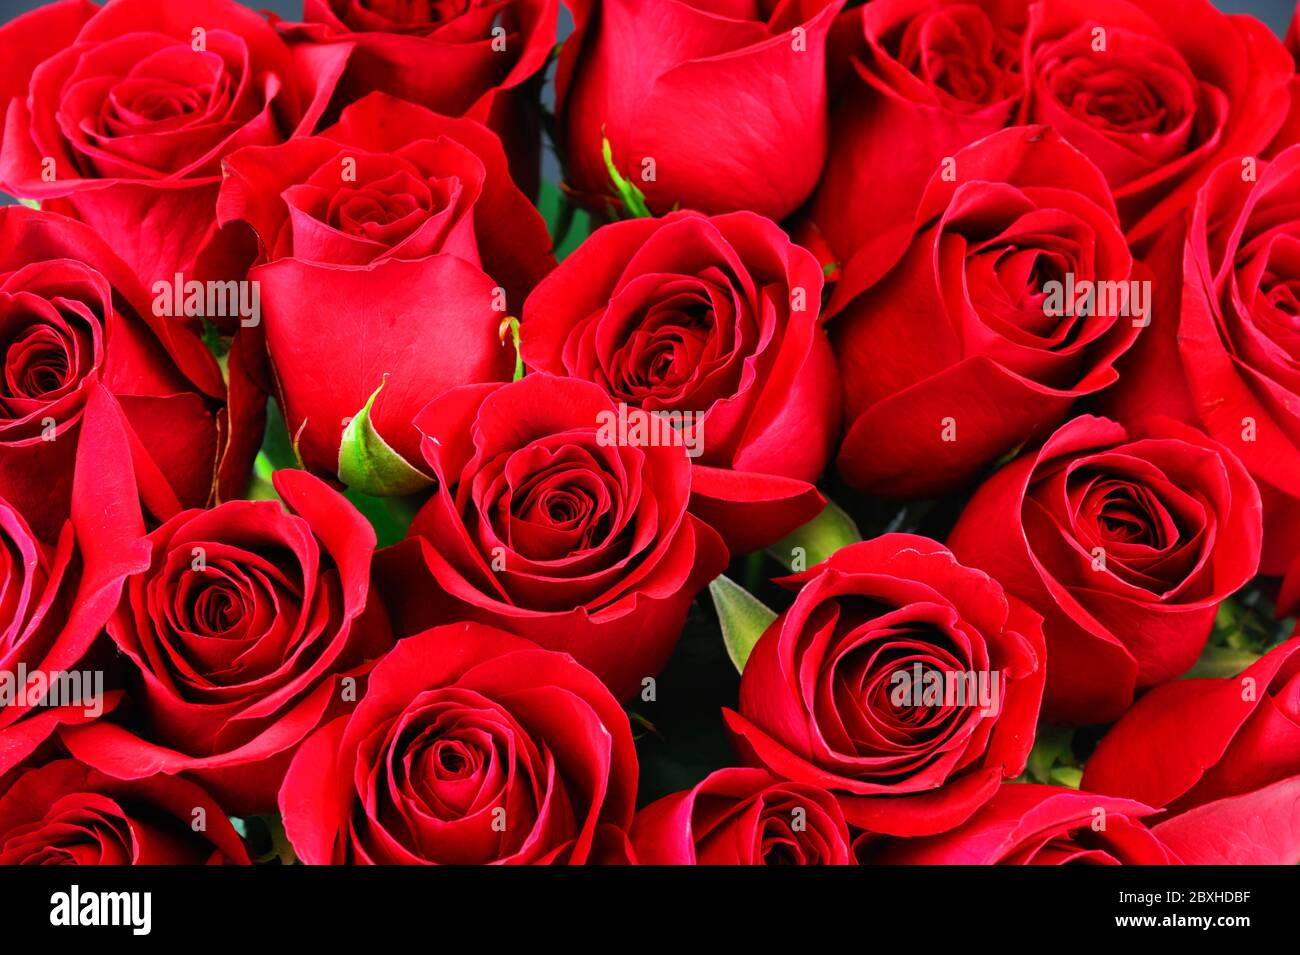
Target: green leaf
pixel 30 203
pixel 633 198
pixel 368 464
pixel 818 539
pixel 743 617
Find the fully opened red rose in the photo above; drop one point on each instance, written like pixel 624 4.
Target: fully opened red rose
pixel 550 522
pixel 975 334
pixel 714 320
pixel 123 113
pixel 1126 541
pixel 902 681
pixel 471 746
pixel 716 105
pixel 250 627
pixel 65 813
pixel 404 228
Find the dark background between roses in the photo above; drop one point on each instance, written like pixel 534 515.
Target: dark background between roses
pixel 700 677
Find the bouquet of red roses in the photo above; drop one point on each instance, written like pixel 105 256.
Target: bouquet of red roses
pixel 761 432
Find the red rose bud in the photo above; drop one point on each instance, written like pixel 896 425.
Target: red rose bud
pixel 1126 541
pixel 900 680
pixel 393 245
pixel 672 85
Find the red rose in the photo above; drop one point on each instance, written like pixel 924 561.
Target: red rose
pixel 1158 98
pixel 57 598
pixel 73 316
pixel 1222 353
pixel 550 522
pixel 1193 742
pixel 249 628
pixel 65 813
pixel 900 680
pixel 1289 134
pixel 1255 828
pixel 1155 92
pixel 471 746
pixel 707 105
pixel 983 327
pixel 481 59
pixel 1126 541
pixel 1027 824
pixel 1292 38
pixel 124 112
pixel 715 318
pixel 948 67
pixel 743 817
pixel 394 243
pixel 36 575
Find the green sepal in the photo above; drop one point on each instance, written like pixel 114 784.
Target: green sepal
pixel 510 326
pixel 744 618
pixel 368 464
pixel 634 203
pixel 826 533
pixel 1220 663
